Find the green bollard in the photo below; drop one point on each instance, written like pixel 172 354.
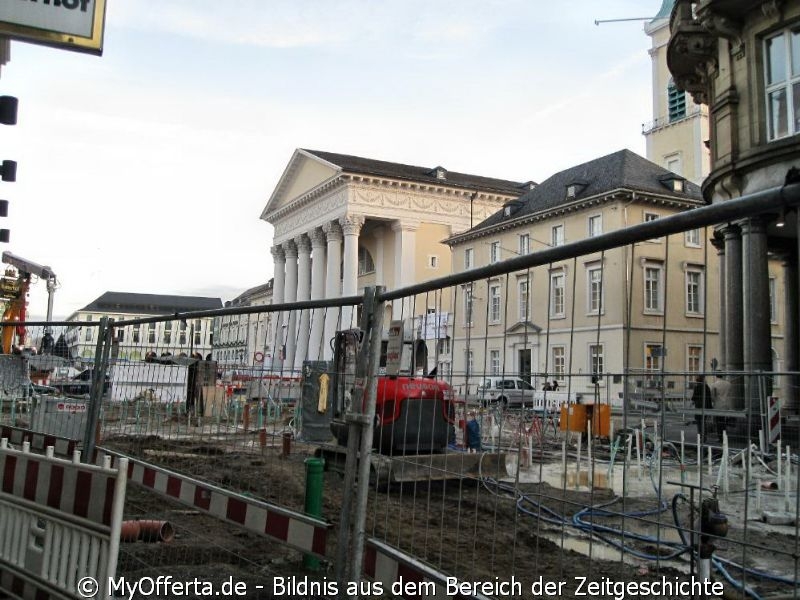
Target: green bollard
pixel 313 508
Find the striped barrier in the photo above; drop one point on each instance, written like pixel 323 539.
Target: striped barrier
pixel 296 530
pixel 59 523
pixel 773 418
pixel 405 576
pixel 39 441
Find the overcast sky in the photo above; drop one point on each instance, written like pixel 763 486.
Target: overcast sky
pixel 146 169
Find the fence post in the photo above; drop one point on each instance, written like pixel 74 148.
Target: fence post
pixel 360 432
pixel 373 318
pixel 96 392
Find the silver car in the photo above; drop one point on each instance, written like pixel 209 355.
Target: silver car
pixel 505 391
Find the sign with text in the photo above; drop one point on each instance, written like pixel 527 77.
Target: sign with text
pixel 69 24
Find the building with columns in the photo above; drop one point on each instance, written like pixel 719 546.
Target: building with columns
pixel 345 222
pixel 741 60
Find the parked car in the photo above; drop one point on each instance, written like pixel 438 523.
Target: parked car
pixel 506 391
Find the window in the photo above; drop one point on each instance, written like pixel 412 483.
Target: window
pixel 151 333
pixel 494 303
pixel 433 261
pixel 594 291
pixel 653 354
pixel 443 346
pixel 691 238
pixel 469 259
pixel 557 291
pixel 558 356
pixel 524 244
pixel 136 334
pixel 676 102
pixel 468 305
pixel 653 288
pixel 652 217
pixel 596 361
pixel 168 333
pixel 494 362
pixel 557 235
pixel 182 333
pixel 365 263
pixel 595 225
pixel 120 335
pixel 469 359
pixel 524 306
pixel 782 84
pixel 674 164
pixel 198 332
pixel 494 252
pixel 694 359
pixel 773 307
pixel 694 291
pixel 89 334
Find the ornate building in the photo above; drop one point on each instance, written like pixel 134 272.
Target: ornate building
pixel 741 59
pixel 344 222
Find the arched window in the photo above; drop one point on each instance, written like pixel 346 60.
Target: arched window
pixel 676 102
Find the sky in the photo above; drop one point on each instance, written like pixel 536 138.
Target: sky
pixel 147 169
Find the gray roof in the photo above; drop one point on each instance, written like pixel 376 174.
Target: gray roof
pixel 368 166
pixel 150 304
pixel 246 296
pixel 622 170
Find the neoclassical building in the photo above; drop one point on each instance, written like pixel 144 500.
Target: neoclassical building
pixel 633 310
pixel 742 60
pixel 344 222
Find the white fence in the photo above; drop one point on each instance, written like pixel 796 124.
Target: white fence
pixel 59 524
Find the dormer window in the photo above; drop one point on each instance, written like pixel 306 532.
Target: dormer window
pixel 575 188
pixel 674 183
pixel 440 172
pixel 507 210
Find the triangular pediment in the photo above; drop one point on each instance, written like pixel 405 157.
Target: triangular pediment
pixel 523 327
pixel 303 173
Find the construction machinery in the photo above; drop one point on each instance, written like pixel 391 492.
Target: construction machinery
pixel 14 287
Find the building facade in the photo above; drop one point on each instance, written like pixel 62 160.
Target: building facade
pixel 741 60
pixel 135 341
pixel 345 222
pixel 243 340
pixel 587 323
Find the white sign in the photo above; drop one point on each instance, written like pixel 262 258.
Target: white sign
pixel 71 24
pixel 432 326
pixel 394 348
pixel 71 407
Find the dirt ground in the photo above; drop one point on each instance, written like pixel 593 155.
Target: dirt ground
pixel 465 528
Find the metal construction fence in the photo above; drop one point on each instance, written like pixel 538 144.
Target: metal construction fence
pixel 528 428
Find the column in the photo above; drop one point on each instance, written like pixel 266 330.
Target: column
pixel 290 334
pixel 351 228
pixel 734 349
pixel 405 238
pixel 718 241
pixel 303 244
pixel 333 280
pixel 315 351
pixel 379 234
pixel 757 327
pixel 278 285
pixel 790 332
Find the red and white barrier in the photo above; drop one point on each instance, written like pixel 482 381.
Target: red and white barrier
pixel 39 441
pixel 773 419
pixel 59 522
pixel 297 530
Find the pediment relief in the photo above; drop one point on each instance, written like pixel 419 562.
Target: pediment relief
pixel 304 173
